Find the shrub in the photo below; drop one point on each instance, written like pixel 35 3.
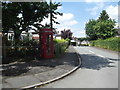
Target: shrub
pixel 69 41
pixel 24 49
pixel 59 41
pixel 110 43
pixel 60 46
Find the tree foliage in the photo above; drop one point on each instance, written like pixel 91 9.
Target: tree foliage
pixel 20 16
pixel 9 16
pixel 105 29
pixel 103 16
pixel 90 29
pixel 101 28
pixel 83 38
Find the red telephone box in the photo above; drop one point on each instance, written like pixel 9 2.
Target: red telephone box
pixel 46 43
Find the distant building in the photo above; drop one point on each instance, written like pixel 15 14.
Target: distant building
pixel 66 34
pixel 24 35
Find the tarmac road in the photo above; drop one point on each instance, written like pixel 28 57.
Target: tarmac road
pixel 99 69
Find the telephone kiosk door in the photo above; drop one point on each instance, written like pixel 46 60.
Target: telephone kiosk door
pixel 46 43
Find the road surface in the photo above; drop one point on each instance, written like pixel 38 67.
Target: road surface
pixel 99 69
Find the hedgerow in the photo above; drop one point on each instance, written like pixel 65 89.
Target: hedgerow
pixel 60 46
pixel 110 43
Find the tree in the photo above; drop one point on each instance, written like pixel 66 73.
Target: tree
pixel 9 21
pixel 91 33
pixel 32 13
pixel 105 29
pixel 105 26
pixel 9 16
pixel 103 16
pixel 83 38
pixel 53 8
pixel 20 16
pixel 102 28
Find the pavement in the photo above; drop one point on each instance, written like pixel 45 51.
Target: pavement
pixel 38 72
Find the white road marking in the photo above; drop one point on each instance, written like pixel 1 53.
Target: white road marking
pixel 97 54
pixel 91 51
pixel 100 55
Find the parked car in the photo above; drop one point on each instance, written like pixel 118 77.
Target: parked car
pixel 73 42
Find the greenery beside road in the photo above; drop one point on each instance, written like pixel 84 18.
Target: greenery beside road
pixel 24 50
pixel 110 43
pixel 101 32
pixel 60 46
pixel 102 28
pixel 29 50
pixel 19 17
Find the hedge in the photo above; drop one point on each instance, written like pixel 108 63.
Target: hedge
pixel 60 46
pixel 29 50
pixel 23 50
pixel 110 43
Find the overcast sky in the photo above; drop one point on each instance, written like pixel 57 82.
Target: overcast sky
pixel 76 14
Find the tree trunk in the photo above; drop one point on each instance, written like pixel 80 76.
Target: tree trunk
pixel 4 47
pixel 16 38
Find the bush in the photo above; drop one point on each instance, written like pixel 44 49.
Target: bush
pixel 23 49
pixel 59 41
pixel 60 46
pixel 69 41
pixel 110 43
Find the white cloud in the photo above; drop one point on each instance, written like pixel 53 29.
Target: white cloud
pixel 62 19
pixel 65 17
pixel 99 5
pixel 71 22
pixel 79 33
pixel 112 11
pixel 66 21
pixel 93 11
